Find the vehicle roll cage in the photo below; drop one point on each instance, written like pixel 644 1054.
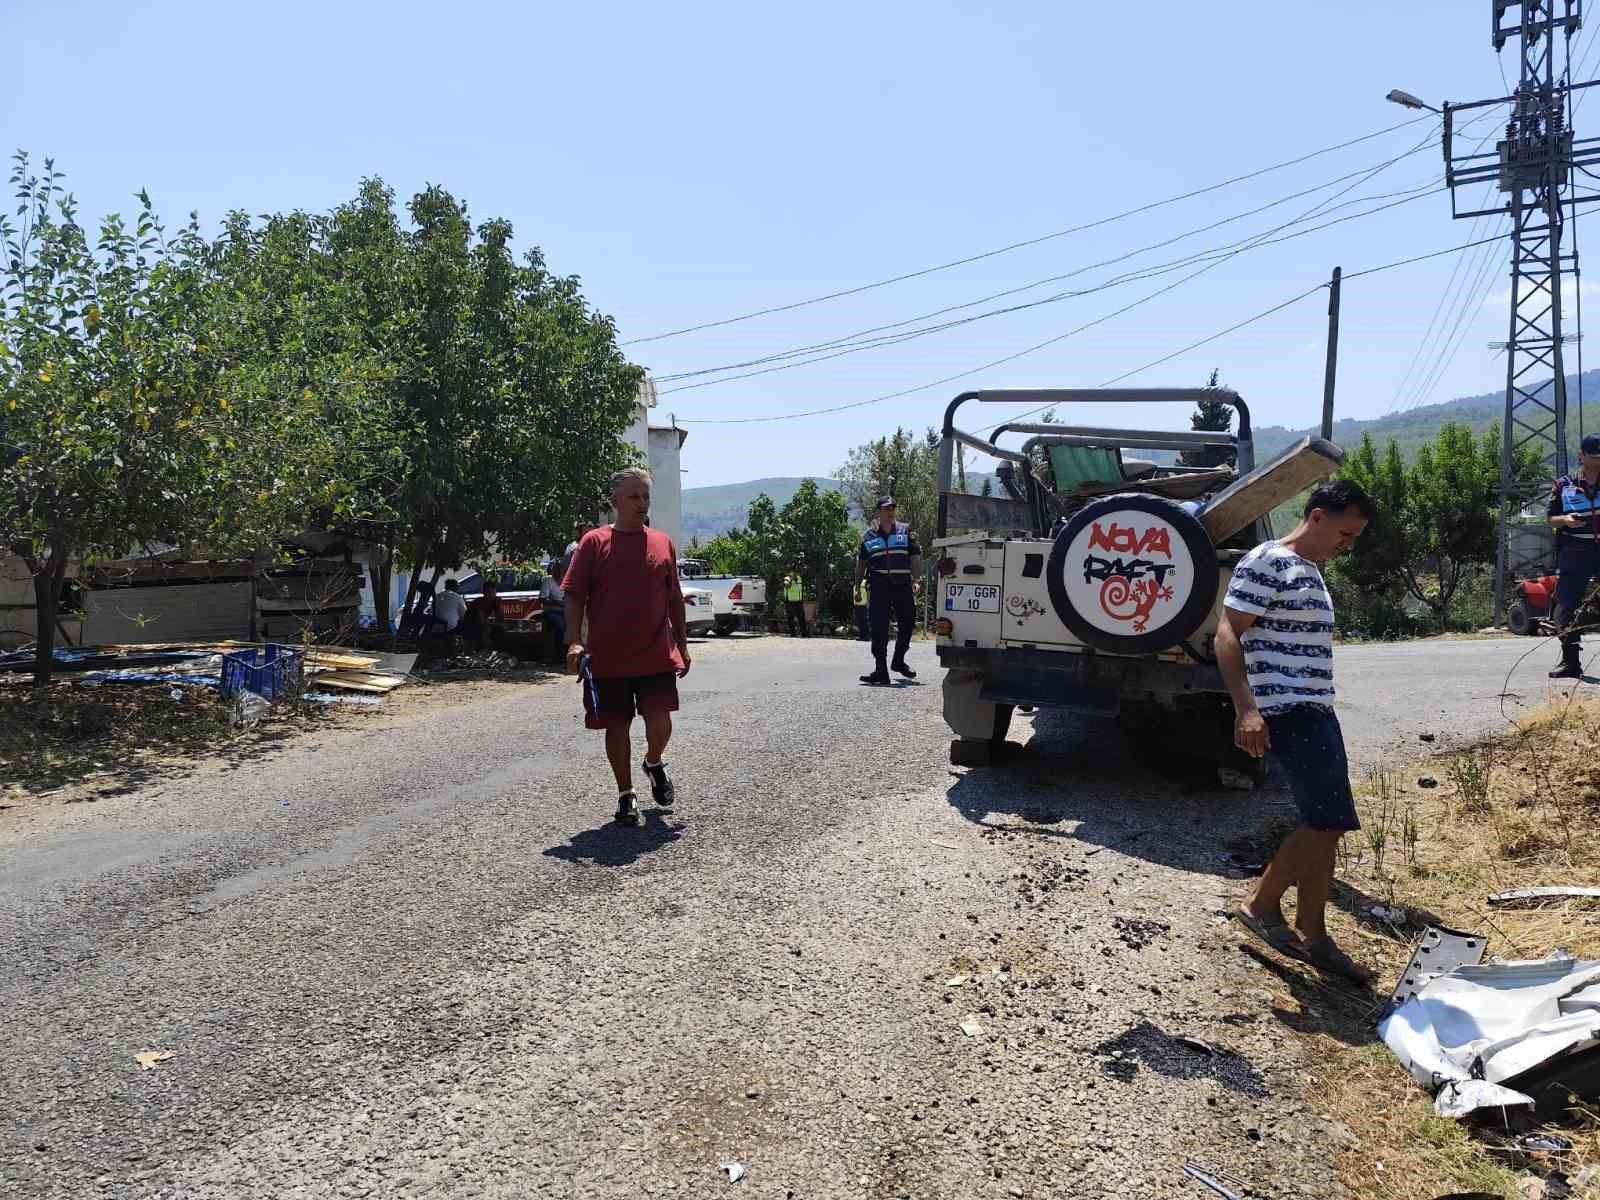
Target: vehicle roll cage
pixel 1048 433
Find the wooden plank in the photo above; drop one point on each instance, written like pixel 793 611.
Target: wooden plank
pixel 352 662
pixel 349 685
pixel 1309 461
pixel 370 679
pixel 985 512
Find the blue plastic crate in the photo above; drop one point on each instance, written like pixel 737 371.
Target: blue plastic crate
pixel 269 673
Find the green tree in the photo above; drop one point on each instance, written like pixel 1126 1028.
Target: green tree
pixel 1211 416
pixel 815 538
pixel 902 465
pixel 1436 519
pixel 730 553
pixel 119 423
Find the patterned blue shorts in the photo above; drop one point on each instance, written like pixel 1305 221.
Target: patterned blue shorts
pixel 1308 745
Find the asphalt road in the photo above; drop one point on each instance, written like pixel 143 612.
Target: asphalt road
pixel 415 957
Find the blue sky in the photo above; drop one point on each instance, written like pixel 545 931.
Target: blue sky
pixel 692 162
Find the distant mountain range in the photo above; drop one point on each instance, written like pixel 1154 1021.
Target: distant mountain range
pixel 1415 426
pixel 708 511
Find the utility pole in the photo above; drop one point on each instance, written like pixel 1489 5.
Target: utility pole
pixel 1532 166
pixel 1333 354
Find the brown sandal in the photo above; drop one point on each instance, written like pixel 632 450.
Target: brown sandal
pixel 1327 957
pixel 1271 929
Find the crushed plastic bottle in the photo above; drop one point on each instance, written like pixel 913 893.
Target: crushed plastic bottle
pixel 248 709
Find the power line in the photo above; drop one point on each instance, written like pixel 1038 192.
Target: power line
pixel 959 262
pixel 1434 328
pixel 822 352
pixel 1390 266
pixel 863 338
pixel 1233 251
pixel 1473 298
pixel 974 370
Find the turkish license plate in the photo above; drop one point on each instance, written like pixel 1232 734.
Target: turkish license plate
pixel 972 597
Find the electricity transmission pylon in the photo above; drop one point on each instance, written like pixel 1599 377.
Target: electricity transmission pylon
pixel 1532 166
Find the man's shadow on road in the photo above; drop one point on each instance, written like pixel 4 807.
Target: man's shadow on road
pixel 613 845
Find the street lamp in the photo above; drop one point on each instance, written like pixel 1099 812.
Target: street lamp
pixel 1407 100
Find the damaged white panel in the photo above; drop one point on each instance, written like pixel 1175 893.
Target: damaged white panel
pixel 1468 1031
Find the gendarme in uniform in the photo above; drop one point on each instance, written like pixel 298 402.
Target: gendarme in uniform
pixel 1574 513
pixel 889 558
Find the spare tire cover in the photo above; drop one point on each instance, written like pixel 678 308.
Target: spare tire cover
pixel 1132 574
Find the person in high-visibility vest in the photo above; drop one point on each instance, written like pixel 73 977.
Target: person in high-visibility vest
pixel 863 612
pixel 794 606
pixel 890 560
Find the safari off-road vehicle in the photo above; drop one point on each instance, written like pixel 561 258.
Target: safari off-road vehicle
pixel 1096 581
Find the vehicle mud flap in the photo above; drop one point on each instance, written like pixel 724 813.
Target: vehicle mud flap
pixel 1133 574
pixel 969 716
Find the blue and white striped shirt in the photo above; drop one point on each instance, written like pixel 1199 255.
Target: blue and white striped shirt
pixel 1288 652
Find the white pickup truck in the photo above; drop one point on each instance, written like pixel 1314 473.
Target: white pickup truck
pixel 1096 581
pixel 735 600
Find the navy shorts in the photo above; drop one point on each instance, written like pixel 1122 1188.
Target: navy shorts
pixel 1308 745
pixel 608 702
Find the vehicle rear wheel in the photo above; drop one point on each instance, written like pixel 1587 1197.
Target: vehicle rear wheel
pixel 1519 619
pixel 725 626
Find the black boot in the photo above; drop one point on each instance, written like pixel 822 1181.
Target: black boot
pixel 879 676
pixel 899 665
pixel 1571 663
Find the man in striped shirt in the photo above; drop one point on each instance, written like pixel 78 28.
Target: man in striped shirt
pixel 1275 649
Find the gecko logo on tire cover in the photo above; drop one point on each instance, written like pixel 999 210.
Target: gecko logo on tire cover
pixel 1133 573
pixel 1120 570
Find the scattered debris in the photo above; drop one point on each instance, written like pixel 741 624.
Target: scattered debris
pixel 971 1026
pixel 1138 932
pixel 1205 1048
pixel 147 1059
pixel 1438 950
pixel 1213 1180
pixel 1393 914
pixel 1536 895
pixel 943 845
pixel 1427 781
pixel 955 981
pixel 1427 737
pixel 1542 1143
pixel 1502 1034
pixel 735 1170
pixel 474 660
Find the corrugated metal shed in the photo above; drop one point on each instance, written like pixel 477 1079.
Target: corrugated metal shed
pixel 172 613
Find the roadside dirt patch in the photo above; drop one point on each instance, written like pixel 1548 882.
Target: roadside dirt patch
pixel 1439 836
pixel 75 743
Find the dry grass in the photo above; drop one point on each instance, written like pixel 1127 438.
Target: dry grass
pixel 1516 811
pixel 73 743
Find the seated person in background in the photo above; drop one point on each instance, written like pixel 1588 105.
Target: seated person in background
pixel 448 607
pixel 553 603
pixel 480 614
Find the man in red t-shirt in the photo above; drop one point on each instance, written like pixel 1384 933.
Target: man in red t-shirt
pixel 622 595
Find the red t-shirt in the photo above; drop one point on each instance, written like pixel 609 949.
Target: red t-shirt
pixel 630 578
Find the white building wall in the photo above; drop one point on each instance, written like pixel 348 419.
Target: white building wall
pixel 666 492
